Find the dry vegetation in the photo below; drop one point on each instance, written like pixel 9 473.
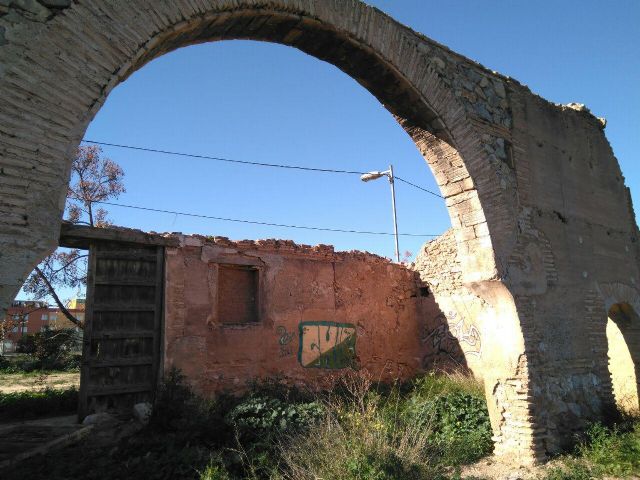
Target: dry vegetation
pixel 24 382
pixel 435 427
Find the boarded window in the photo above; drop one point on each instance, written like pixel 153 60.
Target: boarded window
pixel 237 294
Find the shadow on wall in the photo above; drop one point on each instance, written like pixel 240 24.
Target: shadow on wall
pixel 623 338
pixel 447 339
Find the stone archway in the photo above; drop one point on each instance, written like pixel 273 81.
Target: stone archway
pixel 623 337
pixel 616 332
pixel 96 47
pixel 60 60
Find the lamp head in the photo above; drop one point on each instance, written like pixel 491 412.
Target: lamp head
pixel 367 177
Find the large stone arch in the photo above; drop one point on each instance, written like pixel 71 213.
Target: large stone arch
pixel 75 56
pixel 477 130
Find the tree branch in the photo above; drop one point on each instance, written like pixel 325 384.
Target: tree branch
pixel 61 306
pixel 53 272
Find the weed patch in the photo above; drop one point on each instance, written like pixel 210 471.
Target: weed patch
pixel 413 431
pixel 34 404
pixel 605 452
pixel 357 431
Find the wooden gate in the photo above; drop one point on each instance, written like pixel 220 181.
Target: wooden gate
pixel 121 346
pixel 121 357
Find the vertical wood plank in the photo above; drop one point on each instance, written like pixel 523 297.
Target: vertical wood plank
pixel 158 320
pixel 87 335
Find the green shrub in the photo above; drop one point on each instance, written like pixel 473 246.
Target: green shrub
pixel 614 451
pixel 7 366
pixel 605 451
pixel 406 432
pixel 214 472
pixel 33 404
pixel 454 409
pixel 174 402
pixel 359 431
pixel 260 416
pixel 49 350
pixel 461 427
pixel 570 471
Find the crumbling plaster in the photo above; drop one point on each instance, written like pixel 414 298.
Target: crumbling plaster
pixel 539 209
pixel 299 285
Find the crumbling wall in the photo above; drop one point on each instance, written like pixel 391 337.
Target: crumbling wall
pixel 575 255
pixel 454 336
pixel 314 306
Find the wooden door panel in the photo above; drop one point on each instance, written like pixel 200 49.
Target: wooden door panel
pixel 123 322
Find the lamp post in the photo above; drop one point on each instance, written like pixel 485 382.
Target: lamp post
pixel 367 177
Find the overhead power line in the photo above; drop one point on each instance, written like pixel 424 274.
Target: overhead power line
pixel 222 159
pixel 418 187
pixel 246 162
pixel 255 222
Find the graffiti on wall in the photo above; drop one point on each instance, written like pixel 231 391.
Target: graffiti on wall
pixel 327 345
pixel 284 341
pixel 450 340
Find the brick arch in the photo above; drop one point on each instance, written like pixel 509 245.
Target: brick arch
pixel 58 66
pixel 95 46
pixel 606 296
pixel 421 101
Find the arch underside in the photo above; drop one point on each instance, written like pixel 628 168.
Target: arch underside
pixel 441 130
pixel 314 38
pixel 395 71
pixel 623 338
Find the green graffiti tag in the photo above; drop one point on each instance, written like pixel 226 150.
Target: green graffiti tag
pixel 327 345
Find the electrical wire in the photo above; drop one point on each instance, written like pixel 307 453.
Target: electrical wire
pixel 255 222
pixel 246 162
pixel 417 186
pixel 223 159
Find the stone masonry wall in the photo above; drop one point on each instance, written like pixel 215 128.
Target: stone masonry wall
pixel 576 240
pixel 456 331
pixel 308 295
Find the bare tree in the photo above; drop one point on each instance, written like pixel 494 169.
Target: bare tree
pixel 94 179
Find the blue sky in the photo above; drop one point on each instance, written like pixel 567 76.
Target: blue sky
pixel 270 103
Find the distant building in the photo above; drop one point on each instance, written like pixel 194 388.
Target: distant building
pixel 25 317
pixel 76 304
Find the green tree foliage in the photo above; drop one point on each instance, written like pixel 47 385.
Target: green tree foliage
pixel 52 349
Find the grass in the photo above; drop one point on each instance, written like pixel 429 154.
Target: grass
pixel 605 452
pixel 28 364
pixel 424 429
pixel 418 431
pixel 361 430
pixel 23 372
pixel 38 380
pixel 33 404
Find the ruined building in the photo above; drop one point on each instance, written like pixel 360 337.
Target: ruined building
pixel 544 239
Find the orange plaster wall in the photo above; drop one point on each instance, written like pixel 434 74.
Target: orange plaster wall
pixel 297 284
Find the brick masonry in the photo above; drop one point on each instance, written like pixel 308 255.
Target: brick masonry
pixel 333 295
pixel 540 213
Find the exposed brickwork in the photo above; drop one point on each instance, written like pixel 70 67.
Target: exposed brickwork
pixel 298 284
pixel 539 209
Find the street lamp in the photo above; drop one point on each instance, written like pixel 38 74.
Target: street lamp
pixel 367 177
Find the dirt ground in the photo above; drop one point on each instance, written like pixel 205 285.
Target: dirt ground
pixel 489 468
pixel 21 382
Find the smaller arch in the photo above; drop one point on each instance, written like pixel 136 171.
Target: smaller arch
pixel 623 339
